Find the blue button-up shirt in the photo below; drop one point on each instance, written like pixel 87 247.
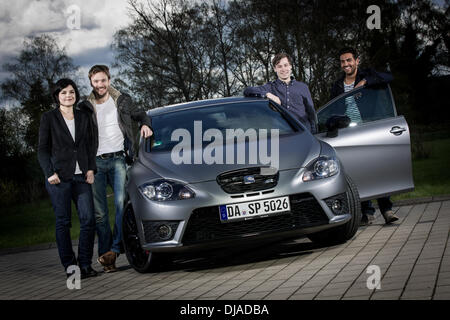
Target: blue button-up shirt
pixel 294 96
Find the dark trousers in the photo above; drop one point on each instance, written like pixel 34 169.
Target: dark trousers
pixel 385 204
pixel 61 196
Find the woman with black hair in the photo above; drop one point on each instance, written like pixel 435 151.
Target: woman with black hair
pixel 67 157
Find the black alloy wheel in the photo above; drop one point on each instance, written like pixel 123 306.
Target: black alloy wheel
pixel 139 259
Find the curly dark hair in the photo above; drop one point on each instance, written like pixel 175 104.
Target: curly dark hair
pixel 349 50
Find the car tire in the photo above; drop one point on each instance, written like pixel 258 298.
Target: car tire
pixel 141 260
pixel 346 231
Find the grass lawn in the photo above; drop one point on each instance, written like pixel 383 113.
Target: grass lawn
pixel 32 224
pixel 431 175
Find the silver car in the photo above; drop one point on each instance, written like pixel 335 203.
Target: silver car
pixel 212 176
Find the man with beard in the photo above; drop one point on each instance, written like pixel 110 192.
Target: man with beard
pixel 116 124
pixel 352 79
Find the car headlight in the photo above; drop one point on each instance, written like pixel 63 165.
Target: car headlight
pixel 163 190
pixel 323 167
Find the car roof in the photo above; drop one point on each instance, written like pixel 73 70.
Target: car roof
pixel 201 103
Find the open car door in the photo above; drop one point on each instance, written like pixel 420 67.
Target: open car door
pixel 375 147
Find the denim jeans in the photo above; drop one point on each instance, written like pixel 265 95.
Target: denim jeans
pixel 111 171
pixel 385 204
pixel 61 196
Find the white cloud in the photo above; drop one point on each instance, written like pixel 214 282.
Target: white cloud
pixel 100 19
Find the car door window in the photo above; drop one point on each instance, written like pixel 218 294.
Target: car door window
pixel 361 105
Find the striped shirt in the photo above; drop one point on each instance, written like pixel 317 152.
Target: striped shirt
pixel 352 110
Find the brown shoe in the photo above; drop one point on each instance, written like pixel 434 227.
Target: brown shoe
pixel 107 259
pixel 109 269
pixel 389 216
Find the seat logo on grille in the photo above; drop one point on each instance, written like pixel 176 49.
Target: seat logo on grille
pixel 249 179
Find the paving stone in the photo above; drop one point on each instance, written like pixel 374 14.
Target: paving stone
pixel 332 297
pixel 279 296
pixel 255 295
pixel 414 260
pixel 232 296
pixel 302 296
pixel 357 297
pixel 411 294
pixel 308 290
pixel 444 296
pixel 387 295
pixel 442 289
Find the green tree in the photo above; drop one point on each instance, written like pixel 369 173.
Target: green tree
pixel 33 73
pixel 38 66
pixel 38 101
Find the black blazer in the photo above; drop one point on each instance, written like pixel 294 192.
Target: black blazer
pixel 57 152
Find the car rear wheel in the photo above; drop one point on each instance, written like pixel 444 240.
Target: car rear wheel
pixel 346 231
pixel 140 259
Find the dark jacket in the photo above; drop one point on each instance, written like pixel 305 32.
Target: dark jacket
pixel 57 152
pixel 131 119
pixel 295 97
pixel 371 76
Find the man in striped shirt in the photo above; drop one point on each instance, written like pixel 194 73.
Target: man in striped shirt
pixel 352 79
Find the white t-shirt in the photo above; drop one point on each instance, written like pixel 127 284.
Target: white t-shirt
pixel 71 126
pixel 110 137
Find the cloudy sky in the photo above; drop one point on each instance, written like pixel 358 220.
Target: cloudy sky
pixel 89 45
pixel 99 20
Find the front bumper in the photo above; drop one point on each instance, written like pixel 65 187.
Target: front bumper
pixel 196 222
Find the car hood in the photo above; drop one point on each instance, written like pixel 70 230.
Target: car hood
pixel 295 151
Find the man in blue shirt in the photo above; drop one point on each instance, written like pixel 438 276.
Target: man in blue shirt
pixel 292 94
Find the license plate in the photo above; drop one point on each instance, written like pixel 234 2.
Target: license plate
pixel 253 209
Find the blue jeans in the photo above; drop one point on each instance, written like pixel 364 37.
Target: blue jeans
pixel 61 196
pixel 111 172
pixel 385 204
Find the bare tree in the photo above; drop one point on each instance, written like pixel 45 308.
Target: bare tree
pixel 41 60
pixel 164 52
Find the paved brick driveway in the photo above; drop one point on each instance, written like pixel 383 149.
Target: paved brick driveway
pixel 413 256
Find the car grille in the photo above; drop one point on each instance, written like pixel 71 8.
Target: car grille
pixel 234 181
pixel 205 225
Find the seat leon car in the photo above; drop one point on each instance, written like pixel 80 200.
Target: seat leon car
pixel 225 172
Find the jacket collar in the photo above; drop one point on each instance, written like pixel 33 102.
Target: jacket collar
pixel 278 81
pixel 342 79
pixel 113 92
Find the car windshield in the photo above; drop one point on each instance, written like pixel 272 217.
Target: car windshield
pixel 258 115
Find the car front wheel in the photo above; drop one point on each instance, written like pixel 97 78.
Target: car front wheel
pixel 141 260
pixel 346 231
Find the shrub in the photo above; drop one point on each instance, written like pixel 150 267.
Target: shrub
pixel 9 192
pixel 420 149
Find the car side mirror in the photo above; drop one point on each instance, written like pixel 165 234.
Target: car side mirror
pixel 336 122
